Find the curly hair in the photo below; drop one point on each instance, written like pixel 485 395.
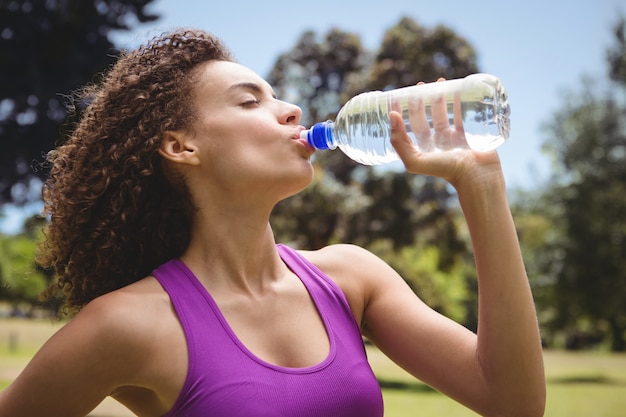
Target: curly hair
pixel 115 211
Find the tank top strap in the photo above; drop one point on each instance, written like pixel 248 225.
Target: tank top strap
pixel 327 294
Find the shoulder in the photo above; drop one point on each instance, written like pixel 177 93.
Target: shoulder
pixel 358 272
pixel 134 314
pixel 109 344
pixel 124 317
pixel 142 338
pixel 145 293
pixel 349 265
pixel 125 302
pixel 344 258
pixel 127 330
pixel 121 332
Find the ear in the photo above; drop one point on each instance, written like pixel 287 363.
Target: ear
pixel 176 146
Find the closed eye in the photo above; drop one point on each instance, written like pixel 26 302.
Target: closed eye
pixel 251 103
pixel 255 90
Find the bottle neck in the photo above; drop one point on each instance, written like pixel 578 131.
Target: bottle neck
pixel 320 136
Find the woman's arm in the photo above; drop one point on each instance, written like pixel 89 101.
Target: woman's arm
pixel 69 376
pixel 499 370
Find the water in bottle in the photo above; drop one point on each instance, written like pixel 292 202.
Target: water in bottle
pixel 361 129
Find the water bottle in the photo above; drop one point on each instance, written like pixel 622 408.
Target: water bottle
pixel 361 129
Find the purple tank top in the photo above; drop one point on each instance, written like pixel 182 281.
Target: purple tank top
pixel 225 379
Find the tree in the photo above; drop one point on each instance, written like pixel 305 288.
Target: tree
pixel 411 53
pixel 21 281
pixel 48 49
pixel 587 140
pixel 315 72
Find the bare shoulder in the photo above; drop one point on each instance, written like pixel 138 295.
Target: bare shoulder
pixel 122 327
pixel 358 272
pixel 129 312
pixel 143 330
pixel 145 296
pixel 344 258
pixel 109 344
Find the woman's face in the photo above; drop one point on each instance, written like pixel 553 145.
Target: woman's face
pixel 246 137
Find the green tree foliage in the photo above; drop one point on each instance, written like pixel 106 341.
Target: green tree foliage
pixel 445 291
pixel 20 280
pixel 320 214
pixel 586 203
pixel 377 207
pixel 539 239
pixel 411 53
pixel 315 72
pixel 47 50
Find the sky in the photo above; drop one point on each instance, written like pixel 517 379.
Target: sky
pixel 539 49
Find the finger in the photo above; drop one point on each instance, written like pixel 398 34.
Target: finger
pixel 400 127
pixel 419 124
pixel 433 163
pixel 396 105
pixel 457 111
pixel 439 110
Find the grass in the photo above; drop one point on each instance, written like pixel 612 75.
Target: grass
pixel 586 384
pixel 19 340
pixel 579 384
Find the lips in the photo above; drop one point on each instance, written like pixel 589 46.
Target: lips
pixel 303 141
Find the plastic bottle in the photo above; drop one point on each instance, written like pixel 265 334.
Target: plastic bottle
pixel 361 129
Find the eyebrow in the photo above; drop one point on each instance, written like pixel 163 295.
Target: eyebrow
pixel 249 86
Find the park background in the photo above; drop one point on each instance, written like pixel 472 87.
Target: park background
pixel 561 62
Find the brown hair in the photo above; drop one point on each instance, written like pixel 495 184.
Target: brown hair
pixel 114 213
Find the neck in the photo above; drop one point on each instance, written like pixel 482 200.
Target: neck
pixel 233 249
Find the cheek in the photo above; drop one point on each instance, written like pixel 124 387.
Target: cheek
pixel 237 157
pixel 242 145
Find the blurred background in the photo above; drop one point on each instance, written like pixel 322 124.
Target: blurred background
pixel 562 63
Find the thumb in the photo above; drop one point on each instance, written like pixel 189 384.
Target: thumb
pixel 430 163
pixel 400 140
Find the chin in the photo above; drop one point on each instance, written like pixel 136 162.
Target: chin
pixel 298 184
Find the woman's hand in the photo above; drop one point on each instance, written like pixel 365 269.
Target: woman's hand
pixel 442 151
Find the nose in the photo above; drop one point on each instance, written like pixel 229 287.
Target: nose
pixel 290 113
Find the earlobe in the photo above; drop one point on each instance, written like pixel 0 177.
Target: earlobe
pixel 176 147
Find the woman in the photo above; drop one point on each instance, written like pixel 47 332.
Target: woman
pixel 159 234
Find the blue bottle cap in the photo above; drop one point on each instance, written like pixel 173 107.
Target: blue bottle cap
pixel 317 136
